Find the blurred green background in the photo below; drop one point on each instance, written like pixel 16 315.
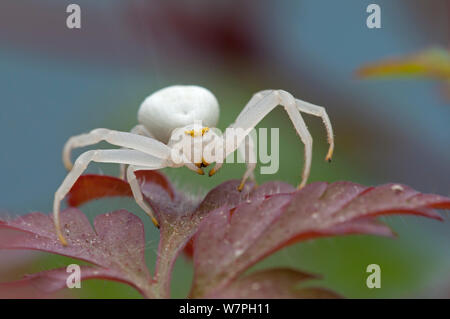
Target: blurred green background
pixel 57 82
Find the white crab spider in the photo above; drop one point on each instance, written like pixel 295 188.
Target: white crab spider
pixel 148 146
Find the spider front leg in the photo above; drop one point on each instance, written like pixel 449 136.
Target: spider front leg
pixel 249 172
pixel 120 156
pixel 139 130
pixel 319 111
pixel 302 106
pixel 259 106
pixel 128 140
pixel 249 158
pixel 289 104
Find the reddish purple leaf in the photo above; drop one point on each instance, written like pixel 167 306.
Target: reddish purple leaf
pixel 179 217
pixel 53 280
pixel 227 243
pixel 22 289
pixel 174 211
pixel 233 230
pixel 13 262
pixel 116 247
pixel 90 187
pixel 276 283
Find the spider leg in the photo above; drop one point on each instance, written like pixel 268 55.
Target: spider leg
pixel 252 103
pixel 250 160
pixel 256 109
pixel 261 105
pixel 121 156
pixel 137 193
pixel 288 101
pixel 139 130
pixel 144 144
pixel 319 111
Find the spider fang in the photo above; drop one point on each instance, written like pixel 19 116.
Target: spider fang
pixel 202 164
pixel 212 172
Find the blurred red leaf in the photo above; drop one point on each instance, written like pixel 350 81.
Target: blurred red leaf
pixel 23 289
pixel 226 244
pixel 53 280
pixel 90 187
pixel 228 34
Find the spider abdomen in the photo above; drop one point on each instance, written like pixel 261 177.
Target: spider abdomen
pixel 177 106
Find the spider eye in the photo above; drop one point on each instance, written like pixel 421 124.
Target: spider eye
pixel 190 132
pixel 194 133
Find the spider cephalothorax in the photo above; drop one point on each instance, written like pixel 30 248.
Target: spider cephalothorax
pixel 177 128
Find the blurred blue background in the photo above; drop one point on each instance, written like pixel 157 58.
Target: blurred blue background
pixel 56 82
